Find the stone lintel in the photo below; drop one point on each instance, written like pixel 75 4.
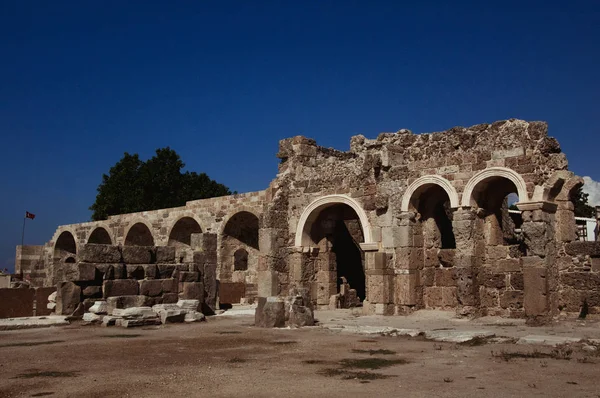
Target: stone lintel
pixel 369 247
pixel 548 207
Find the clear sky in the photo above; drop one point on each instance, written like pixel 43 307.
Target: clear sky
pixel 221 82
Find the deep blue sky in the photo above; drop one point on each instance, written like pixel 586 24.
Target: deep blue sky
pixel 221 82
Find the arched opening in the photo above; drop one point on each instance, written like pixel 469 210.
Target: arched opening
pixel 336 230
pixel 100 236
pixel 240 260
pixel 432 203
pixel 65 247
pixel 494 196
pixel 139 235
pixel 181 233
pixel 239 247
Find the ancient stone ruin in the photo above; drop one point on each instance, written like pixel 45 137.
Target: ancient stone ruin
pixel 410 221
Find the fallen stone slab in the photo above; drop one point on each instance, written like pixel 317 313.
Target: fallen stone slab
pixel 547 340
pixel 371 330
pixel 99 307
pixel 458 336
pixel 33 322
pixel 130 323
pixel 172 316
pixel 134 312
pixel 188 304
pixel 239 311
pixel 92 318
pixel 109 320
pixel 194 316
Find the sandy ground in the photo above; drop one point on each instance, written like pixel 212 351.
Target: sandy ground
pixel 227 356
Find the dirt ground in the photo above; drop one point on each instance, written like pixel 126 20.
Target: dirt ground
pixel 226 357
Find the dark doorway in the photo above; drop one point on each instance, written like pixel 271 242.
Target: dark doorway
pixel 348 259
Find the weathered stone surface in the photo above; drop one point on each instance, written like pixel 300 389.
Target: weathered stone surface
pixel 583 248
pixel 134 312
pixel 270 313
pixel 79 272
pixel 120 287
pixel 172 316
pixel 193 291
pixel 68 298
pixel 165 254
pixel 130 323
pixel 120 302
pixel 137 254
pixel 99 307
pixel 165 270
pixel 188 304
pixel 194 316
pixel 188 276
pixel 170 298
pixel 152 287
pixel 92 291
pixel 92 317
pixel 535 298
pixel 94 253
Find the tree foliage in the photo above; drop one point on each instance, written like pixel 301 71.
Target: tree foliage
pixel 580 201
pixel 133 185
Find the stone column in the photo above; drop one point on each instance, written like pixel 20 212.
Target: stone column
pixel 205 261
pixel 267 277
pixel 408 263
pixel 540 272
pixel 379 284
pixel 470 246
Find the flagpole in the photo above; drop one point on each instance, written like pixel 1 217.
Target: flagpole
pixel 23 233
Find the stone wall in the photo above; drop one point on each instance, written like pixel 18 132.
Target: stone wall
pixel 30 265
pixel 422 217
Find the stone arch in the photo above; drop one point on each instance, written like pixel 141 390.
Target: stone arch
pixel 310 214
pixel 423 183
pixel 139 233
pixel 242 209
pixel 489 174
pixel 182 230
pixel 100 235
pixel 240 259
pixel 65 245
pixel 239 249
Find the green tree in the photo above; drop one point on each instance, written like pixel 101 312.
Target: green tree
pixel 133 185
pixel 580 201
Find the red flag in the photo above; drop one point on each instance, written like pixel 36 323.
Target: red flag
pixel 29 215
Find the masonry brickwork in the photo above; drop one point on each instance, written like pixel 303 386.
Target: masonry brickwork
pixel 409 220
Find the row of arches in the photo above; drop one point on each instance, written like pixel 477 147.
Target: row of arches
pixel 241 227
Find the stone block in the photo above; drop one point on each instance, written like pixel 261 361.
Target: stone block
pixel 535 294
pixel 92 317
pixel 508 265
pixel 405 289
pixel 410 258
pixel 122 302
pixel 193 291
pixel 115 271
pixel 151 287
pixel 194 316
pixel 79 272
pixel 576 248
pixel 209 277
pixel 170 298
pixel 267 284
pixel 490 279
pixel 489 298
pixel 120 287
pixel 465 282
pixel 444 277
pixel 94 253
pixel 136 322
pixel 446 257
pixel 165 254
pixel 512 299
pixel 170 285
pixel 432 296
pixel 533 261
pixel 150 271
pixel 300 316
pixel 165 270
pixel 138 254
pixel 270 313
pixel 427 276
pixel 231 293
pixel 497 252
pixel 380 288
pixel 516 281
pixel 449 298
pixel 68 297
pixel 189 304
pixel 172 316
pixel 375 260
pixel 186 276
pixel 92 291
pixel 580 280
pixel 99 307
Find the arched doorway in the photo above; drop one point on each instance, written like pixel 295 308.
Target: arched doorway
pixel 139 235
pixel 239 246
pixel 100 236
pixel 65 252
pixel 181 237
pixel 334 227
